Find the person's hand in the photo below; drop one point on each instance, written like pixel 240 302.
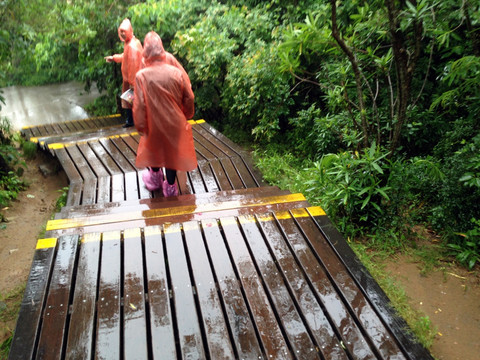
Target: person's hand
pixel 109 58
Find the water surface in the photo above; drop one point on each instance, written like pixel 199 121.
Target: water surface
pixel 37 105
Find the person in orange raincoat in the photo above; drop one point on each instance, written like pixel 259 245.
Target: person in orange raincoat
pixel 163 103
pixel 131 60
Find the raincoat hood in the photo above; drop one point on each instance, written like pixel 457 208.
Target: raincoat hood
pixel 127 27
pixel 153 48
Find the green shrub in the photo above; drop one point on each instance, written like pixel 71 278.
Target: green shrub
pixel 355 185
pixel 29 149
pixel 466 247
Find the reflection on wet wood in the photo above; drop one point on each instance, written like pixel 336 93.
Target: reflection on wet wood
pixel 108 327
pixel 81 326
pixel 52 338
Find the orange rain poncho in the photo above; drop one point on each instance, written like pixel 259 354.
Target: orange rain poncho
pixel 131 58
pixel 163 102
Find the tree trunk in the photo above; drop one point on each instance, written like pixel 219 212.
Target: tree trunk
pixel 356 71
pixel 404 66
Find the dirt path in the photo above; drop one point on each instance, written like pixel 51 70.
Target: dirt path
pixel 449 297
pixel 27 217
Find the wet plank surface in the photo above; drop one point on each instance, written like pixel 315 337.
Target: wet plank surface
pixel 230 269
pixel 268 285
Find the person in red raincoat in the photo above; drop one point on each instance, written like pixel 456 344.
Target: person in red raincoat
pixel 131 60
pixel 163 103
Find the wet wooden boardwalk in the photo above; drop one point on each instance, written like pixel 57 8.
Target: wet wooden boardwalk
pixel 229 269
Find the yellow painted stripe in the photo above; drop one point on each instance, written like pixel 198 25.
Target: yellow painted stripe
pixel 153 231
pixel 193 122
pixel 316 211
pixel 111 235
pixel 55 146
pixel 131 233
pixel 46 243
pixel 180 210
pixel 34 139
pixel 91 237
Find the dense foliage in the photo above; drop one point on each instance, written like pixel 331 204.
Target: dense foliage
pixel 380 99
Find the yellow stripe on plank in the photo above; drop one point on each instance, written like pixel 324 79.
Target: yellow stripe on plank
pixel 316 211
pixel 34 139
pixel 46 243
pixel 131 233
pixel 55 146
pixel 180 210
pixel 193 122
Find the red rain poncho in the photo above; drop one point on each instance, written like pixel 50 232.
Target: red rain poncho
pixel 163 102
pixel 131 58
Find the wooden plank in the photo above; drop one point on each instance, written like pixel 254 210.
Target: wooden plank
pixel 188 327
pixel 272 339
pixel 108 329
pixel 96 165
pixel 220 175
pixel 28 322
pixel 219 346
pixel 89 178
pixel 35 131
pixel 375 295
pixel 131 142
pixel 285 247
pixel 103 189
pixel 107 161
pixel 183 182
pixel 41 129
pixel 143 192
pixel 82 322
pixel 127 152
pixel 347 286
pixel 161 323
pixel 241 327
pixel 132 188
pixel 197 181
pixel 220 140
pixel 201 152
pixel 232 174
pixel 118 187
pixel 208 177
pixel 74 196
pixel 206 128
pixel 354 339
pixel 27 132
pixel 117 156
pixel 52 336
pixel 134 322
pixel 67 164
pixel 288 315
pixel 211 142
pixel 246 175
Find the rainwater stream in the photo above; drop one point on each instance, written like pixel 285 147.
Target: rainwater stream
pixel 38 105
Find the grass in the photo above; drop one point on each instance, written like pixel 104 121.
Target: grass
pixel 418 322
pixel 9 308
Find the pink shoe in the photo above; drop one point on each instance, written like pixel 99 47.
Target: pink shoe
pixel 169 190
pixel 153 179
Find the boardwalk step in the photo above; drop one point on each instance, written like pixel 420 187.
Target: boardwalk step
pixel 179 213
pixel 161 202
pixel 71 128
